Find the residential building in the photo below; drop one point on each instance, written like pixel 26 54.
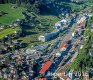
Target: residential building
pixel 78 1
pixel 45 67
pixel 49 36
pixel 64 47
pixel 42 79
pixel 86 76
pixel 64 77
pixel 41 47
pixel 58 54
pixel 82 22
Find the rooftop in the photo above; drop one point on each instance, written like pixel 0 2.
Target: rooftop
pixel 46 67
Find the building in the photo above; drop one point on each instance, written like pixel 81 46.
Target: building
pixel 82 22
pixel 2 27
pixel 64 21
pixel 58 54
pixel 91 52
pixel 60 24
pixel 49 36
pixel 86 76
pixel 73 34
pixel 64 47
pixel 78 1
pixel 25 78
pixel 1 50
pixel 42 79
pixel 64 77
pixel 41 47
pixel 2 13
pixel 30 51
pixel 45 67
pixel 92 25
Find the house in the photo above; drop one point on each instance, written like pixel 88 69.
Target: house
pixel 58 24
pixel 82 22
pixel 78 1
pixel 56 27
pixel 73 34
pixel 2 27
pixel 91 52
pixel 25 78
pixel 2 13
pixel 92 25
pixel 13 7
pixel 16 24
pixel 64 47
pixel 90 14
pixel 42 79
pixel 64 77
pixel 58 54
pixel 41 47
pixel 86 76
pixel 1 50
pixel 30 51
pixel 64 21
pixel 49 36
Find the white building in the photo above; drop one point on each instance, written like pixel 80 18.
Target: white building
pixel 42 38
pixel 81 20
pixel 48 36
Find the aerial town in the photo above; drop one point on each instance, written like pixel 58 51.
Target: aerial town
pixel 46 39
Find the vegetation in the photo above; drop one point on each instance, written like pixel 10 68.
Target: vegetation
pixel 39 16
pixel 11 14
pixel 84 62
pixel 36 25
pixel 8 31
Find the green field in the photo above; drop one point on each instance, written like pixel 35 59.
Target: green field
pixel 8 31
pixel 47 21
pixel 12 14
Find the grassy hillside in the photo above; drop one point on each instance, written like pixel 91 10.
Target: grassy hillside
pixel 32 34
pixel 12 14
pixel 8 31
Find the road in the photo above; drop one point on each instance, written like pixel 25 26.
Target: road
pixel 66 36
pixel 60 61
pixel 71 58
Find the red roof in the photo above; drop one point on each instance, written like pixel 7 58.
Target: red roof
pixel 46 67
pixel 64 46
pixel 43 79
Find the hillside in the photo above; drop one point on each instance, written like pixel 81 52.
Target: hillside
pixel 12 14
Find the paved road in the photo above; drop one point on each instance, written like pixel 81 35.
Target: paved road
pixel 71 58
pixel 65 37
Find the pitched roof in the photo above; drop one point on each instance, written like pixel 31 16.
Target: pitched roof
pixel 46 67
pixel 64 77
pixel 64 46
pixel 43 79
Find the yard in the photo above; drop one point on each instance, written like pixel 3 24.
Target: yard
pixel 11 14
